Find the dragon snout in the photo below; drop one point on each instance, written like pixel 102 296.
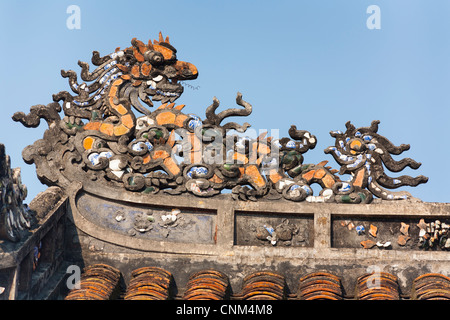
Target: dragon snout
pixel 186 71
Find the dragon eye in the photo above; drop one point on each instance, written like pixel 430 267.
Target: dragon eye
pixel 356 145
pixel 154 57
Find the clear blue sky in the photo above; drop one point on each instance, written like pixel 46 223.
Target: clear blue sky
pixel 314 64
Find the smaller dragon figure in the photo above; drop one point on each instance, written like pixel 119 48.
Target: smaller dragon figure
pixel 362 153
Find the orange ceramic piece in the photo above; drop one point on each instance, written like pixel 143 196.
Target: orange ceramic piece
pixel 113 90
pixel 180 120
pixel 355 144
pixel 404 229
pixel 135 71
pixel 147 159
pixel 92 126
pixel 196 143
pixel 319 173
pixel 195 156
pixel 128 121
pixel 263 149
pixel 328 181
pixel 165 118
pixel 275 176
pixel 120 130
pixel 368 244
pixel 402 239
pixel 107 128
pixel 240 158
pixel 139 57
pixel 171 140
pixel 171 166
pixel 215 179
pixel 88 142
pixel 253 172
pixel 373 231
pixel 160 154
pixel 121 109
pixel 359 178
pixel 253 153
pixel 146 68
pixel 122 67
pixel 309 175
pixel 163 106
pixel 166 52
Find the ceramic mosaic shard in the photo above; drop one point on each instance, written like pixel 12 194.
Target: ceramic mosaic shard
pixel 434 234
pixel 368 244
pixel 373 231
pixel 360 229
pixel 404 229
pixel 402 239
pixel 422 225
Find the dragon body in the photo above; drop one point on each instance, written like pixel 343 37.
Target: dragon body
pixel 101 139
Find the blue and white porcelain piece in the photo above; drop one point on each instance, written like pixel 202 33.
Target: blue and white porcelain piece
pixel 360 229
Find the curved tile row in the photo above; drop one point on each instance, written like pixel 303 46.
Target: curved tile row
pixel 320 286
pixel 100 282
pixel 431 286
pixel 377 286
pixel 149 283
pixel 207 285
pixel 97 282
pixel 264 285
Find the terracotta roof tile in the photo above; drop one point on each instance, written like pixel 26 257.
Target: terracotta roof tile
pixel 149 283
pixel 377 286
pixel 207 285
pixel 431 286
pixel 101 282
pixel 264 285
pixel 98 282
pixel 320 285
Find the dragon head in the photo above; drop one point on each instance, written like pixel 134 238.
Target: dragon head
pixel 155 69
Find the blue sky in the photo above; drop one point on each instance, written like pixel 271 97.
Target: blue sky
pixel 314 64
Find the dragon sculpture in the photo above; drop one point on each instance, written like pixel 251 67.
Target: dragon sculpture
pixel 15 216
pixel 362 153
pixel 100 139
